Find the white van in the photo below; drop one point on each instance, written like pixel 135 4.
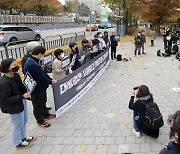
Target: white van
pixel 9 33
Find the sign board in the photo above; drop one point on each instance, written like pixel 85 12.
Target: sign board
pixel 104 17
pixel 65 62
pixel 29 82
pixel 93 17
pixel 47 59
pixel 70 89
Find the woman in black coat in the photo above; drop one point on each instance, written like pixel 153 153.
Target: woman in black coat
pixel 139 108
pixel 13 95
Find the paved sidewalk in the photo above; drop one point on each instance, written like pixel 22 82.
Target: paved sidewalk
pixel 101 121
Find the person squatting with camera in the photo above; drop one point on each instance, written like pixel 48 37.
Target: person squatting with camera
pixel 146 115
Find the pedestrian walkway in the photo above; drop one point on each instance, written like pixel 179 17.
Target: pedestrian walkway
pixel 101 121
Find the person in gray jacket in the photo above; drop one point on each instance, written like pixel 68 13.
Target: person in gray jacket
pixel 143 38
pixel 84 52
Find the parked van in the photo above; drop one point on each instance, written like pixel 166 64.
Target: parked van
pixel 9 33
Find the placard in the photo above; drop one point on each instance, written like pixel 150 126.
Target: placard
pixel 65 62
pixel 47 59
pixel 29 82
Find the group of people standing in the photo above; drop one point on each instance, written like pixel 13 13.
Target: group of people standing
pixel 139 41
pixel 13 93
pixel 171 39
pixel 91 49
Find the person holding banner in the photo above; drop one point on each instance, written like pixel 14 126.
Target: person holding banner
pixel 84 51
pixel 43 80
pixel 13 95
pixel 57 72
pixel 75 58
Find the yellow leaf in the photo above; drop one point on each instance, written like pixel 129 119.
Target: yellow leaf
pixel 101 146
pixel 2 133
pixel 83 148
pixel 1 121
pixel 125 123
pixel 45 135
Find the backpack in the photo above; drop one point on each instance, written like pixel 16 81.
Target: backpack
pixel 153 117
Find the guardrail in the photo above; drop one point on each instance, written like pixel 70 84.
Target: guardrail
pixel 12 51
pixel 50 43
pixel 20 19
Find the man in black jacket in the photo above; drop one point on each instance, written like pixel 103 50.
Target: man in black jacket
pixel 114 44
pixel 43 80
pixel 138 43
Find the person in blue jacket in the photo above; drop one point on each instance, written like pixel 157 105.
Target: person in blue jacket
pixel 173 146
pixel 43 80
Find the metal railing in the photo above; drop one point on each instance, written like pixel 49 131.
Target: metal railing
pixel 10 50
pixel 20 19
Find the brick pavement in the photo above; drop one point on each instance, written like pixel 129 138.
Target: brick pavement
pixel 101 121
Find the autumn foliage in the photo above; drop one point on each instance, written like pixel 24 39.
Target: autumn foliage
pixel 39 7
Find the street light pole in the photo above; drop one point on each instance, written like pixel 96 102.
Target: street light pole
pixel 90 22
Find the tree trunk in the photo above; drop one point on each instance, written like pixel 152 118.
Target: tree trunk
pixel 158 26
pixel 126 21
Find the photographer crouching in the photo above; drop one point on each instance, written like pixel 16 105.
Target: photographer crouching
pixel 146 115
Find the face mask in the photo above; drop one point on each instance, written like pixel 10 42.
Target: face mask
pixel 76 49
pixel 15 69
pixel 62 55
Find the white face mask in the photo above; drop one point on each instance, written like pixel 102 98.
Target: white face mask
pixel 62 55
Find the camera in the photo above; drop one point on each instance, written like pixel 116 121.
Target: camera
pixel 135 88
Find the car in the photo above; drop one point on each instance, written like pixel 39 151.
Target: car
pixel 93 27
pixel 109 25
pixel 9 33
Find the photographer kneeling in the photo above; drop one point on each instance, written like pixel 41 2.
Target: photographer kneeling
pixel 139 107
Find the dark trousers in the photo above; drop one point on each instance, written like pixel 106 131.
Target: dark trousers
pixel 152 43
pixel 165 43
pixel 39 106
pixel 113 52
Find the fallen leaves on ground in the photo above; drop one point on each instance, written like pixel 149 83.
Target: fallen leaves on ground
pixel 1 121
pixel 45 135
pixel 83 148
pixel 2 133
pixel 101 146
pixel 157 74
pixel 125 123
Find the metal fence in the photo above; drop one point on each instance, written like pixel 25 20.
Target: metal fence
pixel 18 51
pixel 20 19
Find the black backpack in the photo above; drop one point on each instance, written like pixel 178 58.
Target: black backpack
pixel 153 117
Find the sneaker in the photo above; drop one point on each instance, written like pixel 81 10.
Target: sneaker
pixel 138 56
pixel 24 145
pixel 30 139
pixel 138 134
